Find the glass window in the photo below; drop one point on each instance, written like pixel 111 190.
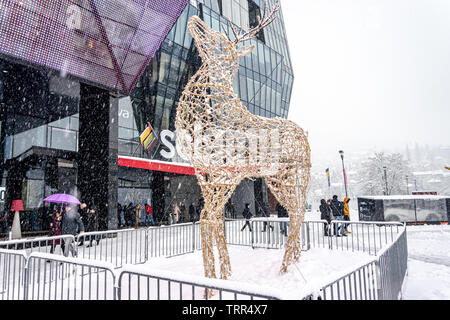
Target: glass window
pixel 236 86
pixel 215 23
pixel 126 134
pixel 181 28
pixel 74 123
pixel 243 88
pixel 61 123
pixel 63 139
pixel 262 68
pixel 126 114
pixel 164 66
pixel 26 139
pixel 251 92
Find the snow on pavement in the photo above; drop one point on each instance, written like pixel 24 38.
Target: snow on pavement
pixel 261 266
pixel 428 263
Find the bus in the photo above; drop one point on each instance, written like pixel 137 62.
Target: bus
pixel 412 209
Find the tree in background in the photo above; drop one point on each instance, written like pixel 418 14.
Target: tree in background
pixel 372 178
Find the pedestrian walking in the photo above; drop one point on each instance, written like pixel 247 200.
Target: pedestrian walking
pixel 265 212
pixel 201 203
pixel 183 213
pixel 346 214
pixel 83 211
pixel 137 215
pixel 129 214
pixel 338 214
pixel 325 214
pixel 120 218
pixel 282 213
pixel 331 216
pixel 233 210
pixel 149 215
pixel 56 230
pixel 247 215
pixel 92 225
pixel 4 223
pixel 192 212
pixel 176 213
pixel 71 224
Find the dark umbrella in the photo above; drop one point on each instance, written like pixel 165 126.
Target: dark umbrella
pixel 62 198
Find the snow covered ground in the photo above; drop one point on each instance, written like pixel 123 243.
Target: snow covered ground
pixel 428 260
pixel 261 267
pixel 428 275
pixel 428 263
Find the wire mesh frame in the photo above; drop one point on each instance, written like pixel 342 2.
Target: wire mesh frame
pixel 225 143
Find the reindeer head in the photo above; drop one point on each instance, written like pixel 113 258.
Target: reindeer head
pixel 218 50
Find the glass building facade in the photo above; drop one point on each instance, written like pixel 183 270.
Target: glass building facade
pixel 40 119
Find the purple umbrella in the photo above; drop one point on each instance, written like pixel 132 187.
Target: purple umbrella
pixel 62 198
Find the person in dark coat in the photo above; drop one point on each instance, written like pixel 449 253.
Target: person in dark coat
pixel 128 212
pixel 119 215
pixel 247 215
pixel 338 214
pixel 92 224
pixel 183 212
pixel 282 213
pixel 56 230
pixel 71 224
pixel 4 223
pixel 265 212
pixel 83 211
pixel 201 203
pixel 192 214
pixel 325 214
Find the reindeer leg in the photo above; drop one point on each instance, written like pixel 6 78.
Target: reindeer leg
pixel 292 198
pixel 225 265
pixel 293 246
pixel 207 245
pixel 212 228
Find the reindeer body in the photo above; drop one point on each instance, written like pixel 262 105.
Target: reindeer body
pixel 226 143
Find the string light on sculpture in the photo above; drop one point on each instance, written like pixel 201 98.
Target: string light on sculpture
pixel 226 143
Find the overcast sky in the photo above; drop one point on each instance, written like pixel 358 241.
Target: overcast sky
pixel 370 73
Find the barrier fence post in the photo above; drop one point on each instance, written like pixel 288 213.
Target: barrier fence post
pixel 26 277
pixel 193 236
pixel 251 232
pixel 146 245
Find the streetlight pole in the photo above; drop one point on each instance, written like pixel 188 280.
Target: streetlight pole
pixel 385 179
pixel 341 152
pixel 407 188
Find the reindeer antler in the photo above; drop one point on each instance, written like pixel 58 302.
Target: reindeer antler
pixel 264 21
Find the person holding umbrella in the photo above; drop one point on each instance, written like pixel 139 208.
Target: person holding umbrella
pixel 71 223
pixel 71 220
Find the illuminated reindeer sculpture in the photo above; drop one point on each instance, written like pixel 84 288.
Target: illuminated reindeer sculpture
pixel 225 143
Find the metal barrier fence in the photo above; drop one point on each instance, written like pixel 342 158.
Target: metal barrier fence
pixel 380 279
pixel 118 247
pixel 40 244
pixel 138 245
pixel 50 277
pixel 367 237
pixel 162 285
pixel 173 240
pixel 43 276
pixel 12 274
pixel 268 233
pixel 393 264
